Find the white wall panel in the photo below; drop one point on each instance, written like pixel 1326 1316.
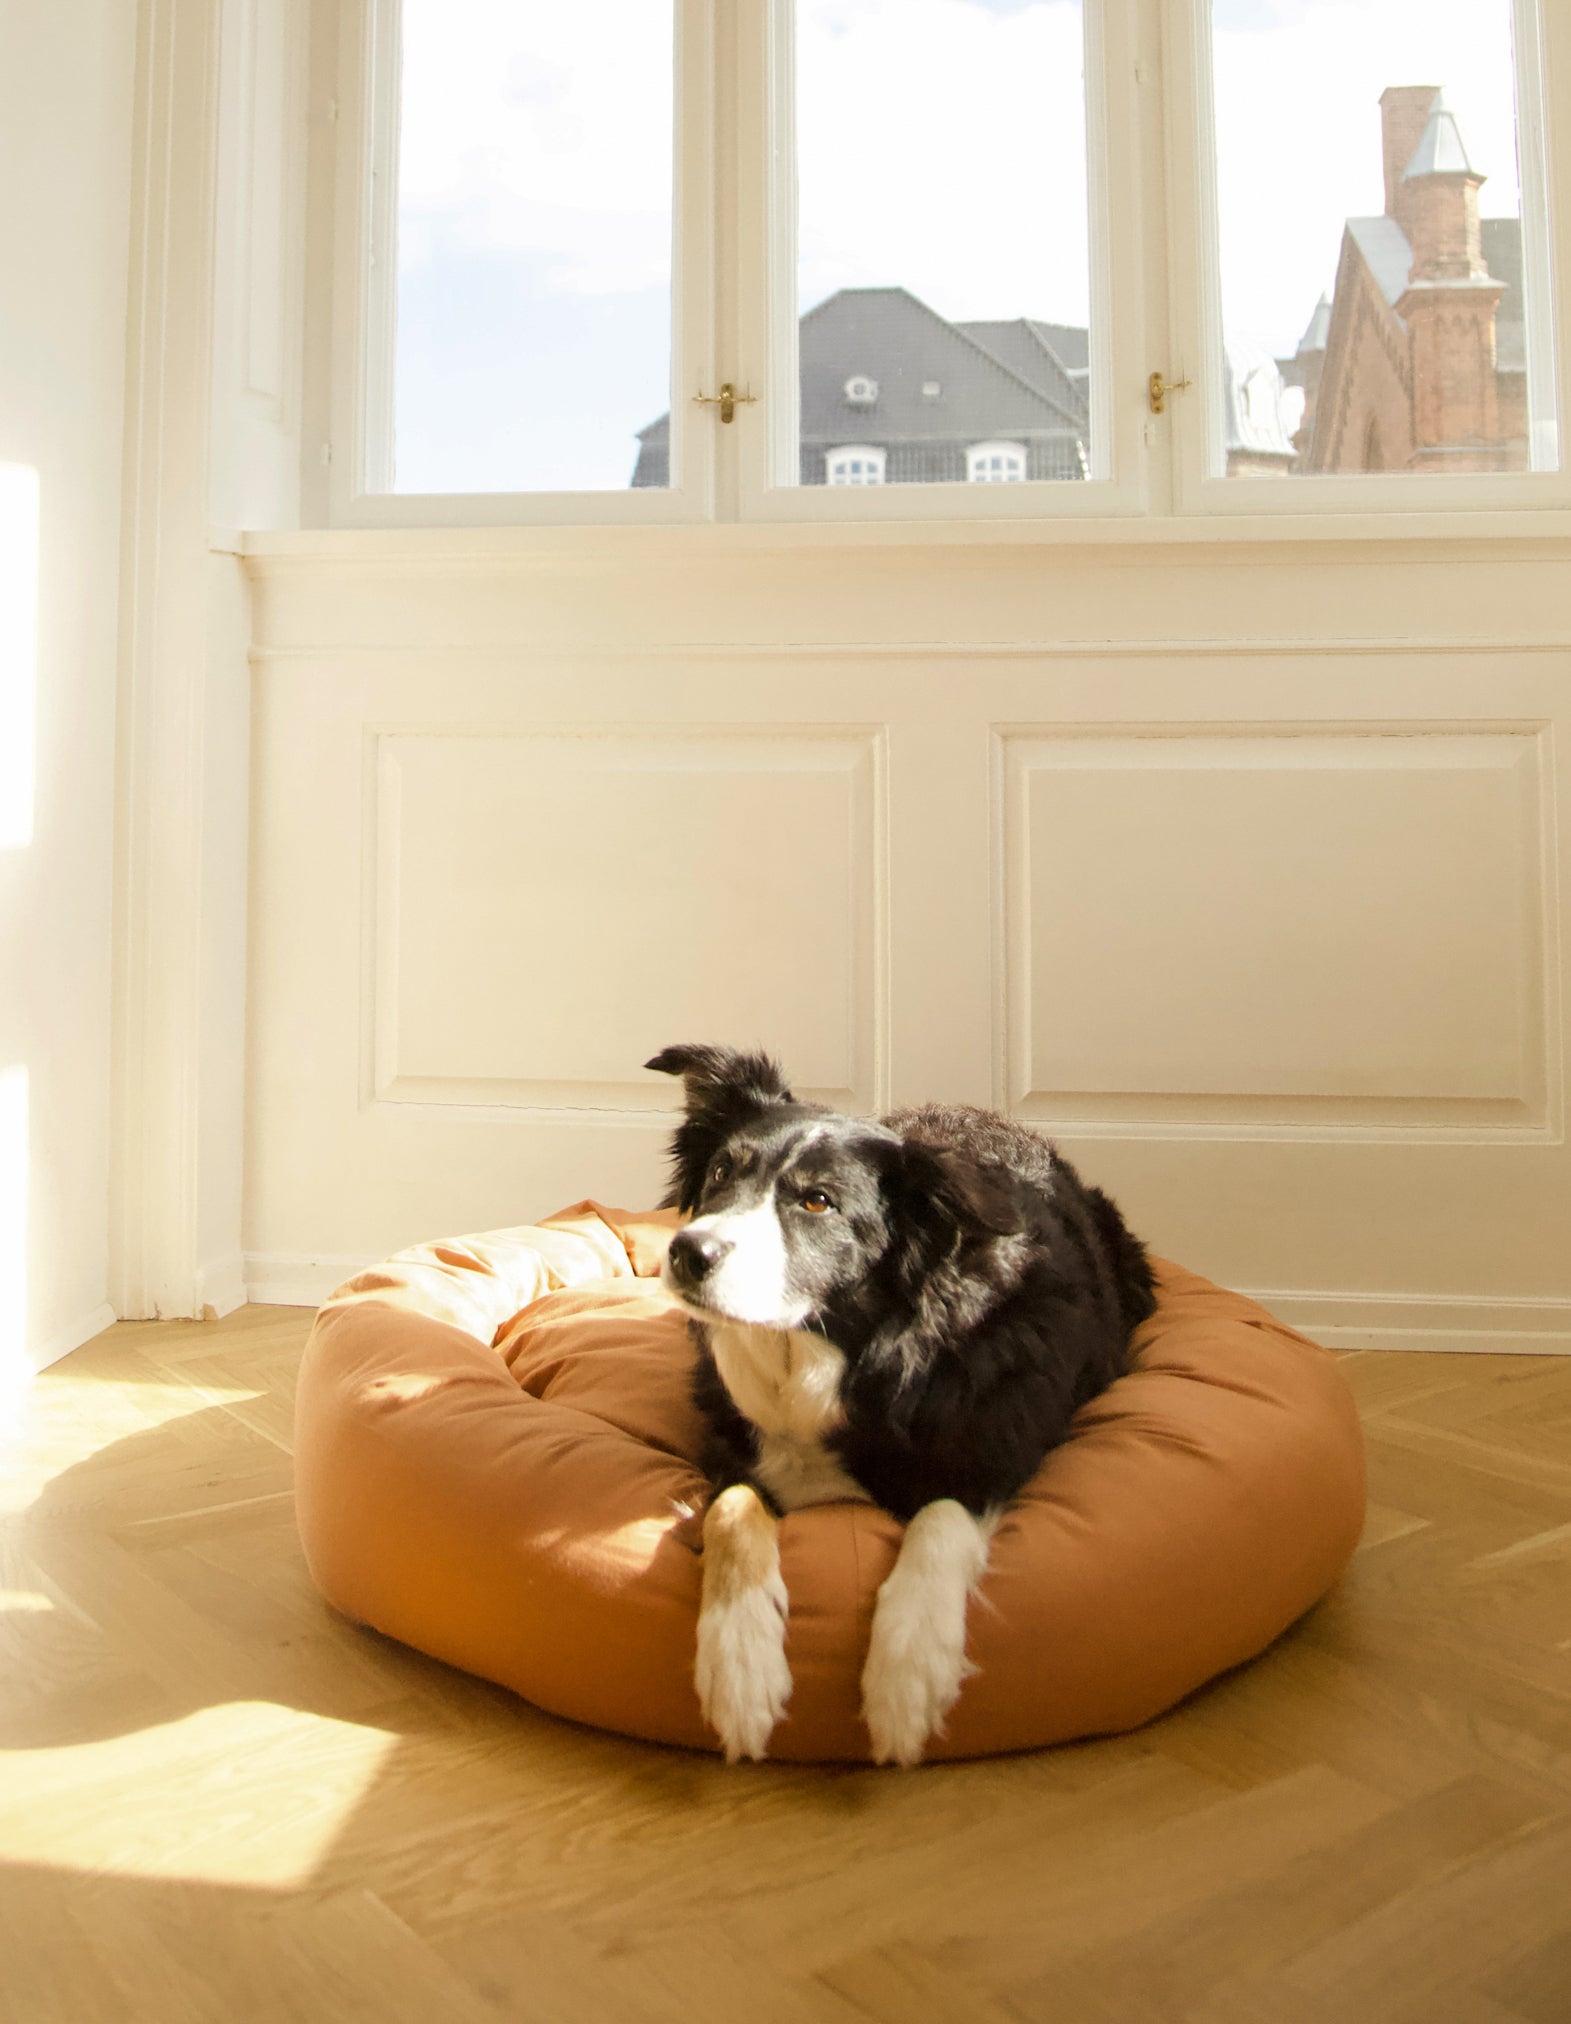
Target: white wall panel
pixel 1246 883
pixel 1286 927
pixel 550 908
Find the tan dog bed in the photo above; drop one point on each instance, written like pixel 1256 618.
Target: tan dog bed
pixel 495 1465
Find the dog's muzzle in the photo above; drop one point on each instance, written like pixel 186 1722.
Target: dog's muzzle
pixel 693 1255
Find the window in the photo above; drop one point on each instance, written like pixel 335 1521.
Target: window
pixel 854 465
pixel 996 464
pixel 951 256
pixel 1385 182
pixel 542 296
pixel 530 256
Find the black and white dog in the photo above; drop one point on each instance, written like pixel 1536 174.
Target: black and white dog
pixel 907 1313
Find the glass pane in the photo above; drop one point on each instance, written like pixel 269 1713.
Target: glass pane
pixel 943 270
pixel 1378 314
pixel 534 245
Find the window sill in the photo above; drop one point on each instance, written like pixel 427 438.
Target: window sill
pixel 1544 535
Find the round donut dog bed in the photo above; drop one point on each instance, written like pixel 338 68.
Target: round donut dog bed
pixel 495 1464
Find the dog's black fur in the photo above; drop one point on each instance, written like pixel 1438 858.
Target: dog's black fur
pixel 978 1290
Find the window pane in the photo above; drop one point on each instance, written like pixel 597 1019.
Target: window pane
pixel 534 245
pixel 1378 314
pixel 942 234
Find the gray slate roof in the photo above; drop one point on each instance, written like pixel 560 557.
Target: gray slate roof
pixel 1387 253
pixel 995 381
pixel 1027 348
pixel 1502 249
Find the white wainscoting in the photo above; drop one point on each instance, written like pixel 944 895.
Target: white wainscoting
pixel 738 877
pixel 1339 929
pixel 1263 923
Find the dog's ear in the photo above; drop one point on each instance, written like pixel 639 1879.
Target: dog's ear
pixel 975 1195
pixel 725 1089
pixel 946 1202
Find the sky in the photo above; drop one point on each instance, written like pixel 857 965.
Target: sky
pixel 1298 86
pixel 941 147
pixel 534 254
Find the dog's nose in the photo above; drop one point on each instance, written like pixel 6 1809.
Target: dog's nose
pixel 694 1254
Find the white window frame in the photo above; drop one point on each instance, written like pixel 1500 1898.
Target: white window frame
pixel 1155 305
pixel 876 458
pixel 1199 451
pixel 1120 55
pixel 365 306
pixel 976 452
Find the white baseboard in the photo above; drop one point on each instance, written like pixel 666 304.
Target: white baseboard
pixel 220 1288
pixel 297 1279
pixel 67 1339
pixel 1474 1324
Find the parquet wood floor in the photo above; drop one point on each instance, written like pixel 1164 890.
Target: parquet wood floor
pixel 218 1802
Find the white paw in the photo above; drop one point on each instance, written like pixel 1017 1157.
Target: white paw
pixel 909 1684
pixel 916 1659
pixel 742 1677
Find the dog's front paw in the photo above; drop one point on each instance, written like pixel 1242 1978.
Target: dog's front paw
pixel 742 1677
pixel 907 1687
pixel 916 1661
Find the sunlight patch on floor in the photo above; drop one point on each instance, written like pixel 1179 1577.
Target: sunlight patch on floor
pixel 60 1422
pixel 24 1602
pixel 248 1793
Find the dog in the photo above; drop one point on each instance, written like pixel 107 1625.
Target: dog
pixel 906 1312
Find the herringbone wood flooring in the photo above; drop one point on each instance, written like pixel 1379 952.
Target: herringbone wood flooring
pixel 217 1802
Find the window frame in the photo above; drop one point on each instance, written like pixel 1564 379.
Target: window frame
pixel 1155 305
pixel 365 306
pixel 1119 69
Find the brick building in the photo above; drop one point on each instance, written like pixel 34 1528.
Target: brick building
pixel 1417 363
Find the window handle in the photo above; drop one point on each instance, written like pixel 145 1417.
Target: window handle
pixel 727 400
pixel 1158 389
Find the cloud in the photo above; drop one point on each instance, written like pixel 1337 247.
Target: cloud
pixel 545 130
pixel 941 146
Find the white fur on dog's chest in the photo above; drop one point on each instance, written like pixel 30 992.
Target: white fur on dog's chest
pixel 787 1383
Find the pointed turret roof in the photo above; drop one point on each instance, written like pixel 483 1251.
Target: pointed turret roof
pixel 1318 328
pixel 1440 151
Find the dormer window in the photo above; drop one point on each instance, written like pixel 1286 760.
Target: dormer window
pixel 856 464
pixel 995 464
pixel 861 391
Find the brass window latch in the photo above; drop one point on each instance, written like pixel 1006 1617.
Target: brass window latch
pixel 1158 389
pixel 727 400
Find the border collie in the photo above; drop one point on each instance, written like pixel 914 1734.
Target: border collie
pixel 905 1312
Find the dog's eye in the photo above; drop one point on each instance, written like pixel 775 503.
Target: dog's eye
pixel 720 1171
pixel 816 1202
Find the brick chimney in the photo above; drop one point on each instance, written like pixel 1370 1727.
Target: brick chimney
pixel 1404 113
pixel 1440 204
pixel 1449 304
